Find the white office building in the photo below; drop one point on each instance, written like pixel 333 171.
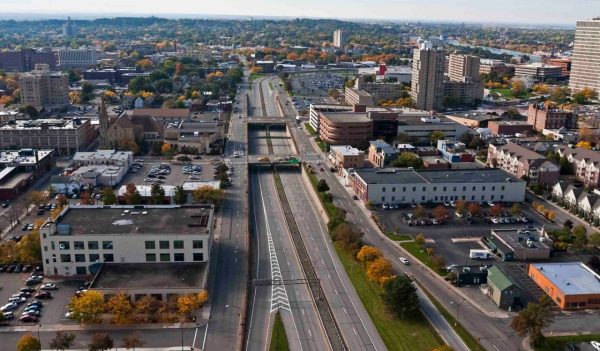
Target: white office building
pixel 82 238
pixel 408 186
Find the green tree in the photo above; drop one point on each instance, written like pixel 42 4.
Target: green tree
pixel 157 194
pixel 207 194
pixel 100 342
pixel 518 89
pixel 435 136
pixel 179 196
pixel 565 166
pixel 595 239
pixel 62 341
pixel 30 110
pixel 108 196
pixel 580 236
pixel 322 186
pixel 407 159
pixel 87 91
pixel 28 342
pixel 533 319
pixel 400 297
pixel 73 76
pixel 560 95
pixel 139 84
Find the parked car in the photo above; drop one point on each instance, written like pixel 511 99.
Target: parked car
pixel 17 300
pixel 572 346
pixel 28 319
pixel 32 312
pixel 43 295
pixel 27 289
pixel 48 286
pixel 9 307
pixel 8 315
pixel 595 345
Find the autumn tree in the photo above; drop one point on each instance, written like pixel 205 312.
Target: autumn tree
pixel 516 209
pixel 132 195
pixel 37 197
pixel 179 195
pixel 62 341
pixel 27 342
pixel 435 136
pixel 420 239
pixel 132 341
pixel 438 261
pixel 165 149
pixel 367 254
pixel 400 297
pixel 440 212
pixel 474 209
pixel 348 237
pixel 29 248
pixel 461 207
pixel 208 194
pixel 108 196
pixel 188 303
pixel 496 210
pixel 120 306
pixel 100 342
pixel 62 201
pixel 129 145
pixel 147 308
pixel 88 307
pixel 378 269
pixel 533 319
pixel 8 252
pixel 419 211
pixel 518 88
pixel 85 198
pixel 584 145
pixel 145 64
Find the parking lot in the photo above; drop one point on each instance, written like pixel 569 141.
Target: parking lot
pixel 53 310
pixel 176 176
pixel 317 84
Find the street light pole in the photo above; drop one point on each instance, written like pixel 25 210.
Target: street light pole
pixel 181 327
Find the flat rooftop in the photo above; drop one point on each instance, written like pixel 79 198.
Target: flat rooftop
pixel 398 176
pixel 518 238
pixel 347 116
pixel 130 220
pixel 572 278
pixel 424 120
pixel 150 275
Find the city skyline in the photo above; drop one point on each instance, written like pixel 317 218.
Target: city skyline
pixel 533 12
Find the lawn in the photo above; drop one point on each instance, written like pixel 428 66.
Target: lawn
pixel 416 250
pixel 507 93
pixel 414 334
pixel 554 343
pixel 254 76
pixel 279 341
pixel 398 237
pixel 310 129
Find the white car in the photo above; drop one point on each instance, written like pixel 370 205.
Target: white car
pixel 595 345
pixel 403 260
pixel 495 220
pixel 69 315
pixel 48 286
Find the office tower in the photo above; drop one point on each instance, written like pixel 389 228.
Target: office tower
pixel 339 38
pixel 68 28
pixel 427 87
pixel 585 69
pixel 41 88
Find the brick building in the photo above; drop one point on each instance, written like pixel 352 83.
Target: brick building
pixel 542 117
pixel 509 127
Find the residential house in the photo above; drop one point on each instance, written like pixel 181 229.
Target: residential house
pixel 522 162
pixel 502 289
pixel 585 163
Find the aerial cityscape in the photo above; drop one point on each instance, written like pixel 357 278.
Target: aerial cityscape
pixel 273 175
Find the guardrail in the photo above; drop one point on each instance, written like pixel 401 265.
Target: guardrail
pixel 332 329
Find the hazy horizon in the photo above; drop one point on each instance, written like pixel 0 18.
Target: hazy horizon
pixel 533 12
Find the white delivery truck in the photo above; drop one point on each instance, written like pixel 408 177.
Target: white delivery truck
pixel 479 254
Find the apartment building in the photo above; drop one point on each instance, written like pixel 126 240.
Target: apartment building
pixel 487 66
pixel 124 235
pixel 585 163
pixel 340 38
pixel 585 69
pixel 355 96
pixel 408 186
pixel 522 162
pixel 462 68
pixel 42 88
pixel 77 58
pixel 24 60
pixel 542 117
pixel 427 85
pixel 65 136
pixel 379 90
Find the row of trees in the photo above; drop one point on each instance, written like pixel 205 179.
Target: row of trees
pixel 90 307
pixel 64 341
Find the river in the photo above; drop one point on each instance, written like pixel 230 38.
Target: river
pixel 532 58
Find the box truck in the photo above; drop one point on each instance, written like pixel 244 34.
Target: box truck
pixel 479 254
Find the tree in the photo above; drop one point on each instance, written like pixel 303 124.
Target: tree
pixel 584 145
pixel 132 341
pixel 100 342
pixel 208 194
pixel 474 209
pixel 108 196
pixel 132 195
pixel 595 239
pixel 419 211
pixel 560 94
pixel 461 207
pixel 62 201
pixel 62 341
pixel 368 254
pixel 165 149
pixel 322 186
pixel 120 306
pixel 333 93
pixel 565 165
pixel 29 248
pixel 88 307
pixel 157 194
pixel 346 236
pixel 407 159
pixel 438 261
pixel 188 303
pixel 179 196
pixel 37 197
pixel 28 342
pixel 496 210
pixel 420 239
pixel 516 209
pixel 584 96
pixel 435 136
pixel 533 319
pixel 129 145
pixel 30 110
pixel 400 297
pixel 145 64
pixel 87 91
pixel 85 198
pixel 518 88
pixel 378 269
pixel 580 236
pixel 147 307
pixel 440 212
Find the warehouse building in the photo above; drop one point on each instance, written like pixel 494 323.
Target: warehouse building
pixel 571 285
pixel 124 234
pixel 408 186
pixel 519 244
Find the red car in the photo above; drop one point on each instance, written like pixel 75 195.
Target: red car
pixel 28 319
pixel 43 295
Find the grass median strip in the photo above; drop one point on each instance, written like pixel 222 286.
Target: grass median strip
pixel 279 340
pixel 398 335
pixel 416 250
pixel 398 237
pixel 310 129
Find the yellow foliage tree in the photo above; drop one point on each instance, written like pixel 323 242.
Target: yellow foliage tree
pixel 368 254
pixel 74 97
pixel 379 269
pixel 584 145
pixel 188 303
pixel 145 63
pixel 28 342
pixel 87 308
pixel 120 306
pixel 165 149
pixel 29 248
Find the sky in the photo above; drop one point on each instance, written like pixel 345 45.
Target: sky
pixel 559 12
